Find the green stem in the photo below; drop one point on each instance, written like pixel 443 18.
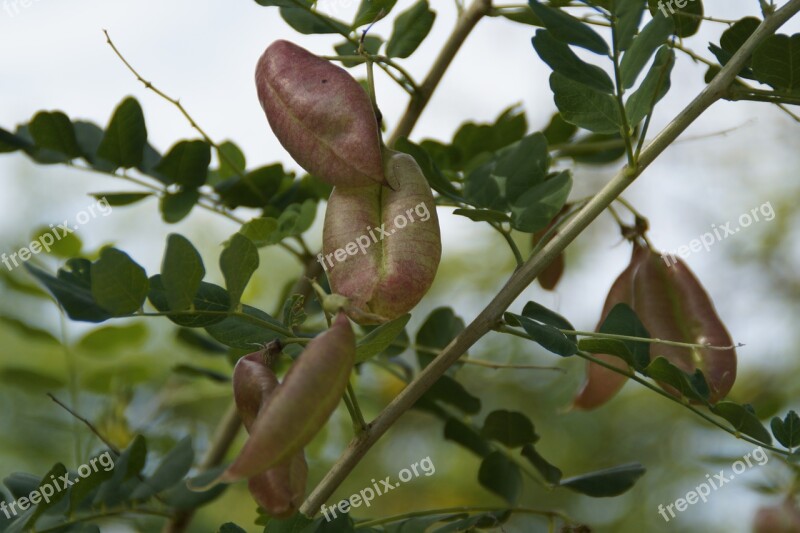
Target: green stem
pixel 594 334
pixel 510 240
pixel 204 312
pixel 106 514
pixel 625 128
pixel 679 401
pixel 358 416
pixel 464 509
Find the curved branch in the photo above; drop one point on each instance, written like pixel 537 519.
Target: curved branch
pixel 490 316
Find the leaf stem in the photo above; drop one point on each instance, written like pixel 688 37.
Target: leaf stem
pixel 464 509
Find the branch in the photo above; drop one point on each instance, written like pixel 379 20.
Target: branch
pixel 490 316
pixel 466 22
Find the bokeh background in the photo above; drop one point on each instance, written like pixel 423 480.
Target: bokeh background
pixel 736 157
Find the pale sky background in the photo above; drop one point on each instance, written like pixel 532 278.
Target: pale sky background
pixel 204 52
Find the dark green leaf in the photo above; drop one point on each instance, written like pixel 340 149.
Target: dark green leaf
pixel 173 467
pixel 438 182
pixel 622 320
pixel 72 289
pixel 564 61
pixel 509 427
pixel 466 436
pixel 380 338
pixel 450 391
pixel 606 483
pixel 372 44
pixel 776 62
pixel 653 88
pixel 627 17
pixel 181 497
pixel 10 142
pixel 483 215
pixel 53 131
pixel 689 386
pixel 211 299
pixel 186 163
pixel 125 137
pixel 742 420
pixel 231 161
pixel 177 206
pixel 118 199
pixel 524 165
pixel 501 476
pixel 654 34
pixel 238 261
pixel 371 11
pixel 559 131
pixel 55 473
pixel 441 327
pixel 543 326
pixel 119 284
pixel 410 29
pixel 534 210
pixel 787 431
pixel 255 189
pixel 687 18
pixel 568 29
pixel 550 473
pixel 309 22
pixel 299 523
pixel 581 105
pixel 246 332
pixel 182 271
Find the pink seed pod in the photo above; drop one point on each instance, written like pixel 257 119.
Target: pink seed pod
pixel 281 489
pixel 381 247
pixel 301 405
pixel 321 115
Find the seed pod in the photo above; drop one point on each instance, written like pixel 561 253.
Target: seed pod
pixel 601 383
pixel 382 247
pixel 673 305
pixel 784 518
pixel 300 406
pixel 321 115
pixel 279 490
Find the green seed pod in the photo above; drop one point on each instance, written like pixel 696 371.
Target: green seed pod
pixel 673 305
pixel 300 406
pixel 281 489
pixel 601 383
pixel 381 247
pixel 321 115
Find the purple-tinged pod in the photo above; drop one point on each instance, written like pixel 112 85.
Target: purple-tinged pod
pixel 381 247
pixel 301 405
pixel 321 115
